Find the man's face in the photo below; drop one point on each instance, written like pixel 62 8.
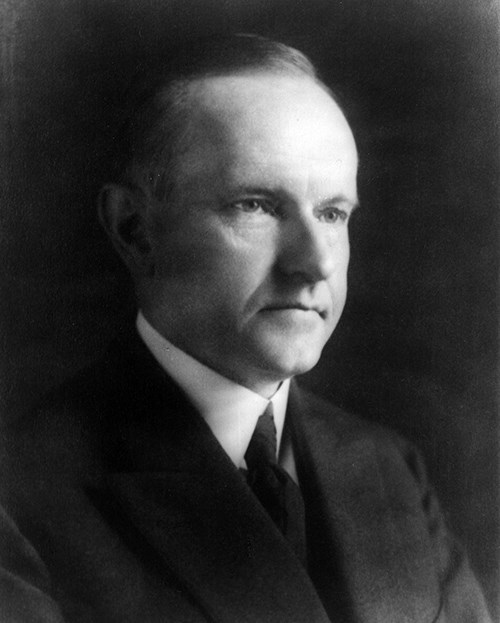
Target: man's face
pixel 251 253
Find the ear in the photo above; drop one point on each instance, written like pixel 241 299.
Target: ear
pixel 124 218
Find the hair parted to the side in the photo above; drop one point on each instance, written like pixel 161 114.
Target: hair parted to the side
pixel 159 103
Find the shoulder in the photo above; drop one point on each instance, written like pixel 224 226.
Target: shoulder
pixel 345 425
pixel 81 429
pixel 352 435
pixel 71 427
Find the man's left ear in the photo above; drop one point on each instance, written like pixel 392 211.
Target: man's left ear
pixel 125 220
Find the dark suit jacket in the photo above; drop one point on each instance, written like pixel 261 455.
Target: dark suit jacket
pixel 126 509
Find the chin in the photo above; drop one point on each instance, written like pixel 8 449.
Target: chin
pixel 273 356
pixel 283 365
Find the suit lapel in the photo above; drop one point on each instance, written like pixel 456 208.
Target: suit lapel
pixel 369 552
pixel 220 545
pixel 179 490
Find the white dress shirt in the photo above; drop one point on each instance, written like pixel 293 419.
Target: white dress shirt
pixel 230 410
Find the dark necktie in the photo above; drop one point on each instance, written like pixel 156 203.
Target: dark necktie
pixel 272 485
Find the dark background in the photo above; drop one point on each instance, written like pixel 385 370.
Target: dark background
pixel 417 347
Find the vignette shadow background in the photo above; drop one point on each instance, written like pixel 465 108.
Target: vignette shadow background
pixel 417 346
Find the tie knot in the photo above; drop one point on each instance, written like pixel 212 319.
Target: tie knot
pixel 262 446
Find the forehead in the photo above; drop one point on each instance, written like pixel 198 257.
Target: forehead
pixel 265 121
pixel 251 104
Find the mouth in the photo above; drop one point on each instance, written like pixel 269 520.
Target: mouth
pixel 296 307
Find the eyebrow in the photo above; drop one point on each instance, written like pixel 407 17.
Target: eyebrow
pixel 342 199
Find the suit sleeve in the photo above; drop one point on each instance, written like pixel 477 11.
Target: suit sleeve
pixel 23 580
pixel 462 600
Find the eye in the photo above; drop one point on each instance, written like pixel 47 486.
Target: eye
pixel 254 205
pixel 332 214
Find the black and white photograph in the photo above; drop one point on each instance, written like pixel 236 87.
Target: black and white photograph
pixel 249 311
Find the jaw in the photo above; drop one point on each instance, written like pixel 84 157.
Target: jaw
pixel 279 348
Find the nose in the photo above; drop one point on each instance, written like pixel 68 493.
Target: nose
pixel 311 250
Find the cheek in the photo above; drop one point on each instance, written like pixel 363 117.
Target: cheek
pixel 186 252
pixel 211 265
pixel 343 264
pixel 337 284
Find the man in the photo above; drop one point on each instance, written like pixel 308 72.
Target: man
pixel 186 477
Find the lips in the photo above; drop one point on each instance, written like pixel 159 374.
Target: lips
pixel 292 305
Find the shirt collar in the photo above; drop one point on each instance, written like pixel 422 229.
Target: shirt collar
pixel 230 410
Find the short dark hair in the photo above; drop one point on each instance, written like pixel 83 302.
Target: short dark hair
pixel 159 103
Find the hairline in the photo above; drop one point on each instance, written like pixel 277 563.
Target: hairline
pixel 146 177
